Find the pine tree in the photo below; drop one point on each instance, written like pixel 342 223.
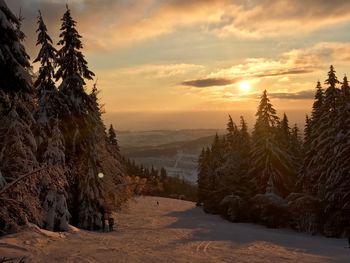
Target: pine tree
pixel 312 131
pixel 203 175
pixel 48 97
pixel 271 167
pixel 307 134
pixel 56 214
pixel 232 132
pixel 73 67
pixel 236 160
pixel 296 148
pixel 47 57
pixel 17 143
pixel 14 61
pixel 244 134
pixel 82 129
pixel 284 132
pixel 244 147
pixel 328 130
pixel 345 89
pixel 51 149
pixel 318 103
pixel 17 157
pixel 112 137
pixel 335 184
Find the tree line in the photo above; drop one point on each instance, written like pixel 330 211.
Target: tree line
pixel 151 181
pixel 50 121
pixel 277 177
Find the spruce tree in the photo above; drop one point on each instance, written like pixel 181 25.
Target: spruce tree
pixel 14 61
pixel 81 126
pixel 328 130
pixel 244 147
pixel 112 138
pixel 296 143
pixel 51 149
pixel 47 93
pixel 236 160
pixel 345 90
pixel 307 134
pixel 17 143
pixel 203 176
pixel 17 157
pixel 318 103
pixel 335 183
pixel 56 214
pixel 232 132
pixel 312 131
pixel 283 132
pixel 271 166
pixel 47 57
pixel 73 69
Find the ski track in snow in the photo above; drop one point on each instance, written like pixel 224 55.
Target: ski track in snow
pixel 174 231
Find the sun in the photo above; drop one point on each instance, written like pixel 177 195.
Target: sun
pixel 244 86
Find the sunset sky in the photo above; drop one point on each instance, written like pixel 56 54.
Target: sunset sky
pixel 181 63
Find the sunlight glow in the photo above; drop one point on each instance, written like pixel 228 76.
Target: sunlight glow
pixel 244 86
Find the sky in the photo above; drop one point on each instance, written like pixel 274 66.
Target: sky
pixel 176 64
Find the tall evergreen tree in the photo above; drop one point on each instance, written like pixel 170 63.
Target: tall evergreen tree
pixel 73 67
pixel 283 132
pixel 14 61
pixel 271 165
pixel 112 137
pixel 17 143
pixel 203 175
pixel 47 57
pixel 81 126
pixel 244 146
pixel 46 90
pixel 51 150
pixel 312 131
pixel 307 134
pixel 318 103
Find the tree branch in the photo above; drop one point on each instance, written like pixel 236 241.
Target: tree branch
pixel 10 185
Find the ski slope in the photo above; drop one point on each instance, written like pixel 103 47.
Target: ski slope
pixel 174 231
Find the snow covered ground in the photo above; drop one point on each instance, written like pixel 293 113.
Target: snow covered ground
pixel 174 231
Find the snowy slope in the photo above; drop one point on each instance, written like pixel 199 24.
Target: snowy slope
pixel 176 231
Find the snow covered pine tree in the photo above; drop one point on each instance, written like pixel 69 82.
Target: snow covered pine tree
pixel 87 152
pixel 17 143
pixel 49 138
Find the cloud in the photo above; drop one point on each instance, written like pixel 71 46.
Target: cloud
pixel 210 82
pixel 270 18
pixel 301 95
pixel 162 70
pixel 298 95
pixel 294 62
pixel 283 72
pixel 107 24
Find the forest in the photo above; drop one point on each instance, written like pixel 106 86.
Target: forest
pixel 277 176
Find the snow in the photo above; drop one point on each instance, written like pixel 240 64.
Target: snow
pixel 174 231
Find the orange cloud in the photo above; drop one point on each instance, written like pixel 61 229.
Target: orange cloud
pixel 293 62
pixel 108 24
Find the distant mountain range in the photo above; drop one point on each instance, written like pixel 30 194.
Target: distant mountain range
pixel 176 151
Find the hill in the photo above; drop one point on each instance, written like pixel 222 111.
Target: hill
pixel 178 158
